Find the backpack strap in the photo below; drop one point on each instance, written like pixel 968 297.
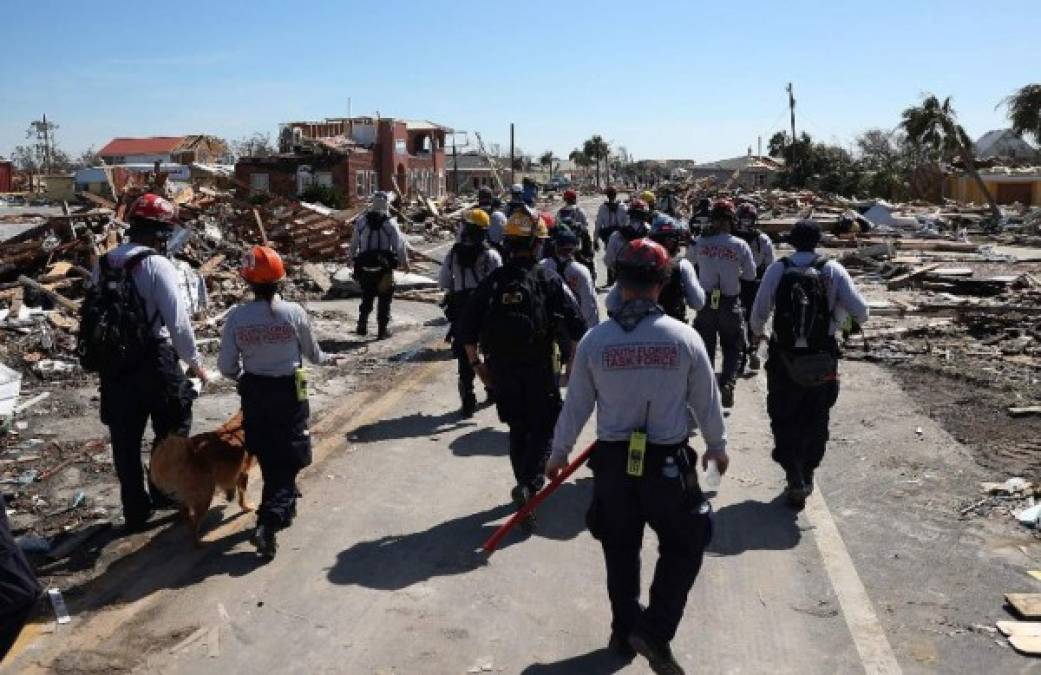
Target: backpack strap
pixel 787 262
pixel 128 268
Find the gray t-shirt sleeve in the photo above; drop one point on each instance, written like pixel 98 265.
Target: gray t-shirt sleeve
pixel 172 309
pixel 578 404
pixel 228 361
pixel 692 290
pixel 703 397
pixel 308 343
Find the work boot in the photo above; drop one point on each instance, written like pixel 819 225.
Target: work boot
pixel 383 333
pixel 620 647
pixel 796 494
pixel 658 654
pixel 264 539
pixel 363 326
pixel 726 393
pixel 521 495
pixel 755 362
pixel 489 396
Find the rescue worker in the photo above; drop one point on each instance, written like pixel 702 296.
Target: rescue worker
pixel 804 330
pixel 377 248
pixel 612 215
pixel 681 289
pixel 530 190
pixel 644 472
pixel 515 315
pixel 157 388
pixel 723 261
pixel 576 276
pixel 516 199
pixel 575 219
pixel 487 202
pixel 466 265
pixel 763 254
pixel 262 347
pixel 650 199
pixel 19 588
pixel 636 226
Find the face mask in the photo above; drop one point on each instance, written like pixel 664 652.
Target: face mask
pixel 631 313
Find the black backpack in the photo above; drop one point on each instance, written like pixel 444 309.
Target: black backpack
pixel 672 298
pixel 802 318
pixel 115 333
pixel 467 254
pixel 374 263
pixel 517 325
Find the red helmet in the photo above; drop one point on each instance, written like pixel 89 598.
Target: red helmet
pixel 570 196
pixel 637 204
pixel 723 208
pixel 746 210
pixel 262 265
pixel 152 210
pixel 642 262
pixel 548 218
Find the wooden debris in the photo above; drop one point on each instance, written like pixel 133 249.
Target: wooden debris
pixel 1027 605
pixel 1025 411
pixel 904 280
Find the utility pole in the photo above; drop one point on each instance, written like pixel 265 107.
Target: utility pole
pixel 513 180
pixel 791 107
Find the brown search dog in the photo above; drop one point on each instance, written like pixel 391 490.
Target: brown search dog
pixel 191 469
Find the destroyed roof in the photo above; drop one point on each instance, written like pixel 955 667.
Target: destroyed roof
pixel 424 125
pixel 1004 143
pixel 467 162
pixel 742 162
pixel 156 145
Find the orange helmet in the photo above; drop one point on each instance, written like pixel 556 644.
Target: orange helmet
pixel 262 265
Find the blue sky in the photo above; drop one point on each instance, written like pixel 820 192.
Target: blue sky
pixel 664 79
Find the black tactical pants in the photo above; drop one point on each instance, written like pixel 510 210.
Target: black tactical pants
pixel 157 390
pixel 728 323
pixel 466 371
pixel 528 401
pixel 799 419
pixel 378 290
pixel 622 506
pixel 19 588
pixel 275 423
pixel 749 289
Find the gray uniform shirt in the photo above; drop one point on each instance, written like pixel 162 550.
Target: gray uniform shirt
pixel 607 219
pixel 579 281
pixel 267 340
pixel 155 278
pixel 843 297
pixel 454 278
pixel 497 227
pixel 614 246
pixel 387 238
pixel 661 362
pixel 763 252
pixel 723 261
pixel 577 214
pixel 692 291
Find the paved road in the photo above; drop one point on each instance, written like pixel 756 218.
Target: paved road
pixel 379 573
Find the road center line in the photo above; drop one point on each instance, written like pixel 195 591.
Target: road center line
pixel 876 654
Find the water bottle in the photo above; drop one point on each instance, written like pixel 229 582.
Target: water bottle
pixel 712 475
pixel 670 470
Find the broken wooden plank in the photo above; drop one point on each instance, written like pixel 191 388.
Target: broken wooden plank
pixel 1025 411
pixel 62 301
pixel 905 280
pixel 1024 628
pixel 1027 605
pixel 211 265
pixel 1026 644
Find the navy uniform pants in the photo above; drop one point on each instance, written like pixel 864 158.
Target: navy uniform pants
pixel 275 423
pixel 678 514
pixel 528 401
pixel 378 290
pixel 799 418
pixel 157 390
pixel 19 588
pixel 749 289
pixel 728 324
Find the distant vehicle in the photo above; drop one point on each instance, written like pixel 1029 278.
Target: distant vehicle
pixel 557 183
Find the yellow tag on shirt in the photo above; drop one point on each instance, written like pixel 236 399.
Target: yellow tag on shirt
pixel 637 449
pixel 716 295
pixel 301 384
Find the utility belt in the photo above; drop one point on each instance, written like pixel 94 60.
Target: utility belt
pixel 298 382
pixel 718 300
pixel 655 463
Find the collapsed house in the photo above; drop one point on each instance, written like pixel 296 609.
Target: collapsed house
pixel 354 157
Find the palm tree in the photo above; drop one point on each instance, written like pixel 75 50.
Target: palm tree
pixel 1024 111
pixel 580 158
pixel 596 149
pixel 933 127
pixel 546 160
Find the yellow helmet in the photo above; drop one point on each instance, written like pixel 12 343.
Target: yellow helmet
pixel 477 217
pixel 648 197
pixel 525 223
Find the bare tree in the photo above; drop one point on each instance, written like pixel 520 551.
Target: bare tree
pixel 257 144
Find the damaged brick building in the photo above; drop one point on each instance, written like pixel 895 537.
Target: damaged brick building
pixel 353 156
